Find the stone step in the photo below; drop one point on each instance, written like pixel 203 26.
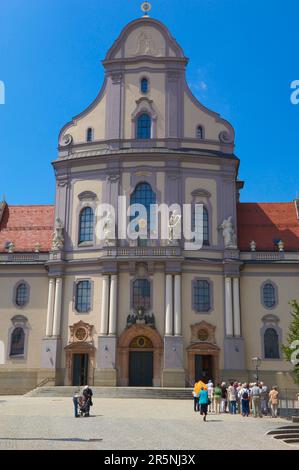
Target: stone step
pixel 115 392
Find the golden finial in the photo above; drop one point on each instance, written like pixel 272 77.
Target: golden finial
pixel 146 8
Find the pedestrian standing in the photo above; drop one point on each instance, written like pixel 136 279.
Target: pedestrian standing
pixel 210 386
pixel 223 397
pixel 195 400
pixel 76 403
pixel 203 403
pixel 232 398
pixel 264 398
pixel 217 398
pixel 244 396
pixel 256 400
pixel 273 401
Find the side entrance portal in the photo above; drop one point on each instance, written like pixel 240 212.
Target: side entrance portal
pixel 80 369
pixel 203 368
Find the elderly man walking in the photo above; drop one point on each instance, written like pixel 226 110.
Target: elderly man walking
pixel 256 401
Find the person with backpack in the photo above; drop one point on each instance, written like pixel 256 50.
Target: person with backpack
pixel 244 396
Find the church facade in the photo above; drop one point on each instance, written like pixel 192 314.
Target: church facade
pixel 75 309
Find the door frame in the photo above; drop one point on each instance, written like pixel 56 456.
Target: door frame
pixel 79 348
pixel 203 349
pixel 150 350
pixel 123 350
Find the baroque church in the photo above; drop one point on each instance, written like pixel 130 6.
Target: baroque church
pixel 145 313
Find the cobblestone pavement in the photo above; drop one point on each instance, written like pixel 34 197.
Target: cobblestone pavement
pixel 121 424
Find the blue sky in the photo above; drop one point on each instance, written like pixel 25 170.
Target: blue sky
pixel 243 57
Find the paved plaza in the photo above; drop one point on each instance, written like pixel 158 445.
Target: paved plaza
pixel 122 424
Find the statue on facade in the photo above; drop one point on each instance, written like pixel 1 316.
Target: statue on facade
pixel 253 246
pixel 228 232
pixel 58 240
pixel 173 226
pixel 109 229
pixel 280 245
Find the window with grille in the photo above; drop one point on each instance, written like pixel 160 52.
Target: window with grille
pixel 22 295
pixel 142 293
pixel 83 296
pixel 89 135
pixel 206 229
pixel 144 127
pixel 144 85
pixel 269 295
pixel 202 296
pixel 199 132
pixel 271 344
pixel 86 225
pixel 17 345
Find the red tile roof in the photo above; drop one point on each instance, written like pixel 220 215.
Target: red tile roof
pixel 26 226
pixel 266 222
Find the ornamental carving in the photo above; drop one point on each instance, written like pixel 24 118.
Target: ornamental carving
pixel 203 332
pixel 225 137
pixel 81 332
pixel 146 45
pixel 66 140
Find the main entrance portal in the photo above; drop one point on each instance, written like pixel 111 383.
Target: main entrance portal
pixel 141 369
pixel 140 352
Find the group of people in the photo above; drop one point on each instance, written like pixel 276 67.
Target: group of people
pixel 82 403
pixel 236 398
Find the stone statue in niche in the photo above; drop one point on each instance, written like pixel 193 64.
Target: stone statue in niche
pixel 173 227
pixel 109 229
pixel 228 232
pixel 58 240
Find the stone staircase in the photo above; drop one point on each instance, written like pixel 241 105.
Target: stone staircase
pixel 288 434
pixel 116 392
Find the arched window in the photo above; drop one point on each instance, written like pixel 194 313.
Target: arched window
pixel 83 296
pixel 17 344
pixel 269 295
pixel 143 194
pixel 86 223
pixel 144 127
pixel 144 85
pixel 22 294
pixel 271 344
pixel 206 228
pixel 142 293
pixel 89 135
pixel 202 295
pixel 199 132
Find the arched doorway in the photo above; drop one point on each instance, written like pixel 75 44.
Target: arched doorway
pixel 203 354
pixel 140 351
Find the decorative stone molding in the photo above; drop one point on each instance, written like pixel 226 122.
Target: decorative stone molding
pixel 226 138
pixel 201 193
pixel 199 329
pixel 67 140
pixel 125 343
pixel 144 104
pixel 87 196
pixel 81 332
pixel 116 77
